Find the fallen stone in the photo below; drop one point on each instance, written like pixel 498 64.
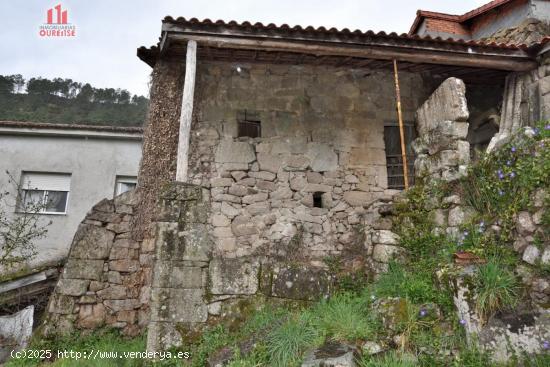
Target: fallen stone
pixel 331 355
pixel 524 224
pixel 531 254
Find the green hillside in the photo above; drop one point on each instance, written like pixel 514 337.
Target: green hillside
pixel 64 101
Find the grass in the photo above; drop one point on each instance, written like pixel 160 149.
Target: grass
pixel 391 359
pixel 345 317
pixel 281 336
pixel 287 343
pixel 496 288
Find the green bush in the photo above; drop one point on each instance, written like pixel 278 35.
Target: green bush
pixel 502 183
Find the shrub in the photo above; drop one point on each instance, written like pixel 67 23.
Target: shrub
pixel 496 287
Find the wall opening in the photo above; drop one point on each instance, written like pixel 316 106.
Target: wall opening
pixel 483 105
pixel 249 124
pixel 317 199
pixel 394 159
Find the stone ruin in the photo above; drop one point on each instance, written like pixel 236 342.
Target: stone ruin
pixel 106 279
pixel 217 248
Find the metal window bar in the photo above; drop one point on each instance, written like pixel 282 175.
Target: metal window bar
pixel 249 124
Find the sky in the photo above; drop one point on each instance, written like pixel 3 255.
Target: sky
pixel 108 32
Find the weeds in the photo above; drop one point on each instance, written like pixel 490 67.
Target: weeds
pixel 344 317
pixel 392 359
pixel 287 343
pixel 496 288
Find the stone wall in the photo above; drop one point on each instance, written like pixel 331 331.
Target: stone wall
pixel 158 162
pixel 321 134
pixel 442 122
pixel 442 126
pixel 193 286
pixel 104 282
pixel 526 100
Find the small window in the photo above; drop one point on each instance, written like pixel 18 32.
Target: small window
pixel 124 183
pixel 249 124
pixel 45 193
pixel 394 158
pixel 317 199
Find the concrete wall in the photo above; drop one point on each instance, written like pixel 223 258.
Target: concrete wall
pixel 94 164
pixel 540 9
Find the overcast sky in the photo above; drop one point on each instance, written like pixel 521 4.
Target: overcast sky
pixel 109 32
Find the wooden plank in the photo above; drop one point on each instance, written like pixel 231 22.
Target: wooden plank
pixel 186 114
pixel 401 130
pixel 22 282
pixel 379 51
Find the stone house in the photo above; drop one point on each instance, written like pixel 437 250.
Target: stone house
pixel 263 149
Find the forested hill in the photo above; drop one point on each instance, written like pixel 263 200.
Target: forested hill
pixel 65 101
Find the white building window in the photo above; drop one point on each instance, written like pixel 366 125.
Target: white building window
pixel 125 183
pixel 46 193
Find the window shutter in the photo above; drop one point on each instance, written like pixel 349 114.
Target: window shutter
pixel 46 181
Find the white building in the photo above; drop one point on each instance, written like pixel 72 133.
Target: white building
pixel 69 167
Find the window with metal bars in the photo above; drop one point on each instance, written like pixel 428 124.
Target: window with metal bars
pixel 394 159
pixel 249 124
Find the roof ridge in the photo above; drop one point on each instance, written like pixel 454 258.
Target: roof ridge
pixel 49 125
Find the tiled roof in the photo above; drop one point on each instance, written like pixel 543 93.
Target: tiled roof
pixel 323 33
pixel 420 14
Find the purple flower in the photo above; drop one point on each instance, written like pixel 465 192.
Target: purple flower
pixel 482 224
pixel 500 174
pixel 501 193
pixel 546 344
pixel 512 174
pixel 536 130
pixel 423 312
pixel 462 322
pixel 513 149
pixel 508 163
pixel 547 127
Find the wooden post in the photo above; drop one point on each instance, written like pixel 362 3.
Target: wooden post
pixel 186 111
pixel 401 130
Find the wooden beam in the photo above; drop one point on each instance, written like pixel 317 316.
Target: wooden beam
pixel 186 113
pixel 380 51
pixel 401 129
